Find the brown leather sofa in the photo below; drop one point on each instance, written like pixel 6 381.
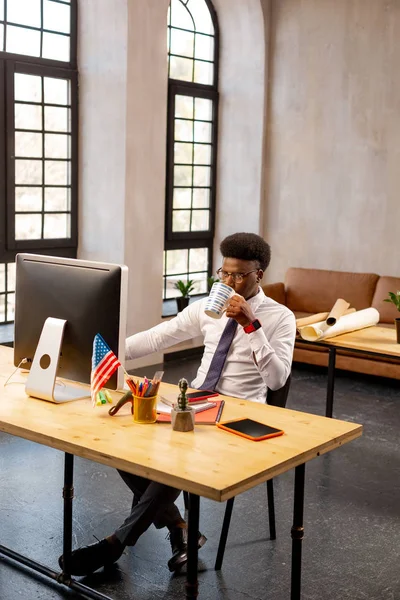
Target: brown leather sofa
pixel 310 291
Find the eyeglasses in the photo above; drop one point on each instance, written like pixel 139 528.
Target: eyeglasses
pixel 237 277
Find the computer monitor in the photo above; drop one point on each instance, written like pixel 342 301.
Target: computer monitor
pixel 60 305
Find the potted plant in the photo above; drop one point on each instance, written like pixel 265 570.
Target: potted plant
pixel 182 415
pixel 210 282
pixel 185 287
pixel 394 298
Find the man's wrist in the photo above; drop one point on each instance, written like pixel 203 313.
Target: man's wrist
pixel 253 326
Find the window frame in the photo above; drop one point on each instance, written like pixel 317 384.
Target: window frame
pixel 192 239
pixel 9 64
pixel 44 71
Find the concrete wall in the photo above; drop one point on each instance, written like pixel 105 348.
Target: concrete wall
pixel 333 135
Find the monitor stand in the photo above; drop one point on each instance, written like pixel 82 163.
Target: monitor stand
pixel 41 382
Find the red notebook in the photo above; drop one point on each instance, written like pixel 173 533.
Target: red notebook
pixel 205 417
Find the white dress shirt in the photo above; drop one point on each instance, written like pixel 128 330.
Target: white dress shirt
pixel 255 360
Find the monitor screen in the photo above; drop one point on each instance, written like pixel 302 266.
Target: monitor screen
pixel 91 297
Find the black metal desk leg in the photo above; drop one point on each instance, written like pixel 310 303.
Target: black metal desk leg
pixel 68 495
pixel 193 528
pixel 331 382
pixel 297 531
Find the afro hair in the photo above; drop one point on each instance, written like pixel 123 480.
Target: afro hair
pixel 246 246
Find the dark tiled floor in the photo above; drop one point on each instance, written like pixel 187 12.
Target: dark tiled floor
pixel 352 514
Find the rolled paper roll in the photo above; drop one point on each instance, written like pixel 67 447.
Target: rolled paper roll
pixel 338 309
pixel 303 321
pixel 350 322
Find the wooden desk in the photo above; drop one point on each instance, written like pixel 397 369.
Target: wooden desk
pixel 374 341
pixel 209 462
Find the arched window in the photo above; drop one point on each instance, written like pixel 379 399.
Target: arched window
pixel 38 134
pixel 191 143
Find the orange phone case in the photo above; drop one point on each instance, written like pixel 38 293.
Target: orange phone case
pixel 225 427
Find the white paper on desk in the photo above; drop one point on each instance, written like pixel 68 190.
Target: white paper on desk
pixel 351 322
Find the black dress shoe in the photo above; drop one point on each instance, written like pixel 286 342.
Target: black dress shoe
pixel 88 559
pixel 178 539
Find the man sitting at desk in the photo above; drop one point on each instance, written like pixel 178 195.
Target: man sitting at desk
pixel 246 351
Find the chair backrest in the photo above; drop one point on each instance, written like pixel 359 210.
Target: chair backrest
pixel 279 397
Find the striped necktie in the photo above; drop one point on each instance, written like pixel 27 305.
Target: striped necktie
pixel 218 360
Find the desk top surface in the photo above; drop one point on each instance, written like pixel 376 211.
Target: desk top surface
pixel 378 340
pixel 209 461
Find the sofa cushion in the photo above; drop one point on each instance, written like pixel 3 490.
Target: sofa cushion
pixel 276 291
pixel 316 290
pixel 387 311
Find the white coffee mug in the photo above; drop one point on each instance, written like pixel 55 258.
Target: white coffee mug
pixel 218 300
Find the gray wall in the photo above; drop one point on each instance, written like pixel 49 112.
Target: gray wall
pixel 332 165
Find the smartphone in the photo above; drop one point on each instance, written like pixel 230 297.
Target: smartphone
pixel 252 430
pixel 200 395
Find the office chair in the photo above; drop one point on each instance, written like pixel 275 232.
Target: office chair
pixel 274 398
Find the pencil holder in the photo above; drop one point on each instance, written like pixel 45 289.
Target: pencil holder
pixel 144 409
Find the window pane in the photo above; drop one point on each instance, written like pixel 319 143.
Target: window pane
pixel 10 307
pixel 201 198
pixel 181 68
pixel 57 172
pixel 28 116
pixel 200 220
pixel 28 199
pixel 184 107
pixel 28 227
pixel 28 144
pixel 28 171
pixel 198 259
pixel 56 91
pixel 57 118
pixel 57 226
pixel 183 175
pixel 27 87
pixel 25 12
pixel 55 46
pixel 181 220
pixel 204 47
pixel 2 308
pixel 171 291
pixel 1 19
pixel 1 37
pixel 183 153
pixel 176 261
pixel 201 16
pixel 179 15
pixel 202 154
pixel 2 277
pixel 11 276
pixel 203 72
pixel 56 146
pixel 201 176
pixel 57 199
pixel 203 109
pixel 23 41
pixel 184 130
pixel 182 198
pixel 199 280
pixel 182 43
pixel 202 132
pixel 56 16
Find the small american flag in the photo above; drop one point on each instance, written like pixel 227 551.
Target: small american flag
pixel 104 364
